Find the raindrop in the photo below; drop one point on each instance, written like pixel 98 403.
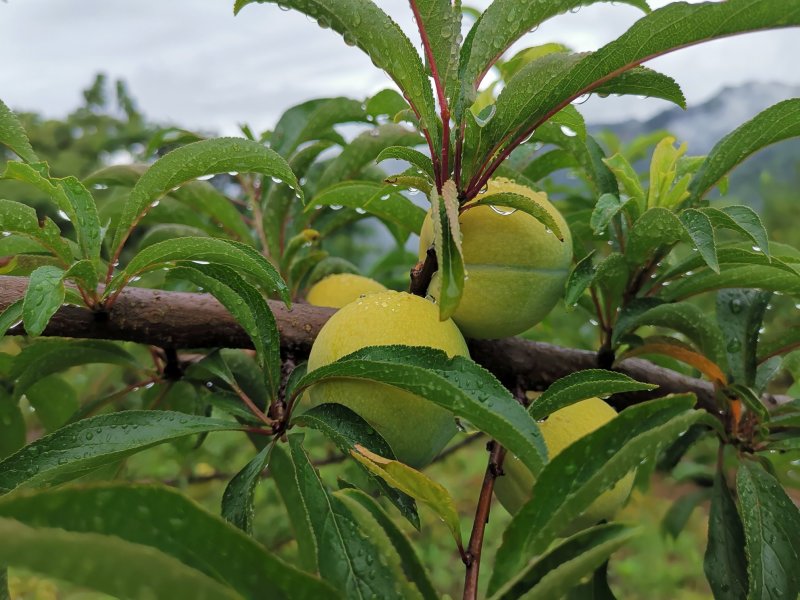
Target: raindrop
pixel 502 212
pixel 735 306
pixel 567 131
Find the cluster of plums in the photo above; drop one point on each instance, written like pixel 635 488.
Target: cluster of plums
pixel 516 272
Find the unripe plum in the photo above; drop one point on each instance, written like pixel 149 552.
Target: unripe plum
pixel 335 291
pixel 516 269
pixel 561 429
pixel 415 428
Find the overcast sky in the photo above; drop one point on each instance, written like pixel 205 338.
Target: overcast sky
pixel 192 62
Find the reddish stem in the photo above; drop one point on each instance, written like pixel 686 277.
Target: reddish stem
pixel 472 558
pixel 440 93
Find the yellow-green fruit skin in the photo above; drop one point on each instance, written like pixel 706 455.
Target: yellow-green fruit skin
pixel 415 428
pixel 340 289
pixel 516 269
pixel 560 430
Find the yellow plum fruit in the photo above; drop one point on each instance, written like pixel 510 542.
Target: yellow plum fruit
pixel 335 291
pixel 415 428
pixel 516 269
pixel 560 430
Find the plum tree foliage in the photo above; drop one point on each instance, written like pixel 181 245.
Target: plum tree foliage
pixel 256 221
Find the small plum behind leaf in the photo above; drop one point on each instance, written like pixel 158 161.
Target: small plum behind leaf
pixel 561 429
pixel 516 269
pixel 340 289
pixel 415 428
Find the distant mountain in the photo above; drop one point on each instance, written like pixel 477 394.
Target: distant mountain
pixel 703 125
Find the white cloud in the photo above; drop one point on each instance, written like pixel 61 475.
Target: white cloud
pixel 192 62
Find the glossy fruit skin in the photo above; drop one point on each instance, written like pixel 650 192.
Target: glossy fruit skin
pixel 560 430
pixel 516 269
pixel 340 289
pixel 415 429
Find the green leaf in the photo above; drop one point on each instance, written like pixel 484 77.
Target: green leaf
pixel 81 447
pixel 250 310
pixel 313 120
pixel 21 219
pixel 373 530
pixel 375 198
pixel 739 317
pixel 204 198
pixel 641 81
pixel 237 500
pixel 526 204
pixel 701 231
pixel 411 156
pixel 235 255
pixel 68 195
pixel 363 150
pixel 387 102
pixel 516 104
pixel 549 163
pixel 725 564
pixel 608 206
pixel 12 425
pixel 605 456
pixel 530 97
pixel 412 565
pixel 772 534
pixel 12 135
pixel 779 122
pixel 449 285
pixel 345 554
pixel 48 356
pixel 681 511
pixel 290 481
pixel 657 227
pixel 206 157
pixel 176 526
pixel 55 401
pixel 555 572
pixel 504 22
pixel 580 278
pixel 764 277
pixel 581 385
pixel 346 429
pixel 10 317
pixel 280 199
pixel 741 219
pixel 44 296
pixel 685 318
pixel 105 563
pixel 441 22
pixel 361 23
pixel 628 178
pixel 415 484
pixel 456 384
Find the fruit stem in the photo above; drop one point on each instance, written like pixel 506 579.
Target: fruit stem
pixel 472 557
pixel 422 273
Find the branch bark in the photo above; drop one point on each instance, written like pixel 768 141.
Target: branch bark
pixel 183 320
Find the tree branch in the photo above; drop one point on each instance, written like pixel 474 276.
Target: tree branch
pixel 183 320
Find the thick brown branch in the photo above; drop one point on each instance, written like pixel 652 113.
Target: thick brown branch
pixel 181 320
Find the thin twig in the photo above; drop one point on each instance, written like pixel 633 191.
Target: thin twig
pixel 472 556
